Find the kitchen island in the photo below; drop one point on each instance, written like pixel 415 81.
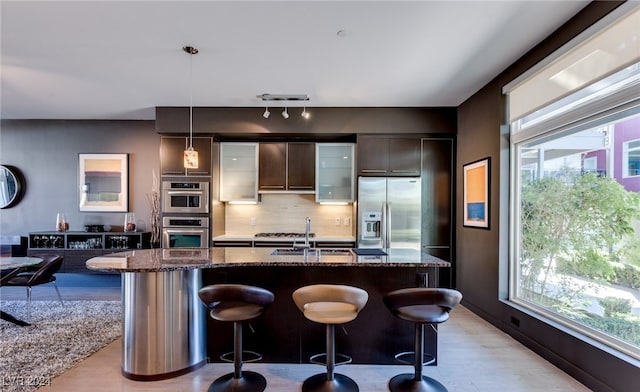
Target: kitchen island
pixel 164 323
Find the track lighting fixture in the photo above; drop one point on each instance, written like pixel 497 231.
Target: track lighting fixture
pixel 287 98
pixel 283 97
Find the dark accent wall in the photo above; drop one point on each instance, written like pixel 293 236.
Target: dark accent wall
pixel 478 251
pixel 46 151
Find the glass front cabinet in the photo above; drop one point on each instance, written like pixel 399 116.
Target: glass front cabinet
pixel 239 172
pixel 335 172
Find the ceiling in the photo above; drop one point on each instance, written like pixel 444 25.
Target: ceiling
pixel 121 59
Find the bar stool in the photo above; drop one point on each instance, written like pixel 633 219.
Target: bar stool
pixel 422 306
pixel 237 303
pixel 330 304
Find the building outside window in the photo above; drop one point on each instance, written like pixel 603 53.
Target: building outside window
pixel 575 188
pixel 631 158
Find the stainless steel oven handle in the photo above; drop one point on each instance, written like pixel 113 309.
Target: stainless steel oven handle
pixel 185 192
pixel 185 230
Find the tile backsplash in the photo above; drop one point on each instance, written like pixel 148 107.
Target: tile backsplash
pixel 286 213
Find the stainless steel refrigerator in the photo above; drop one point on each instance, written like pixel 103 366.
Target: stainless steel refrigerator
pixel 389 212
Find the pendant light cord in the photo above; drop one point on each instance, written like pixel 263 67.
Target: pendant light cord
pixel 191 101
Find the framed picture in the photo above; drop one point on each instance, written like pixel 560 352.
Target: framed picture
pixel 103 182
pixel 476 180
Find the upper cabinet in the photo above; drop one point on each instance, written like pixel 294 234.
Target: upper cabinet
pixel 239 172
pixel 272 167
pixel 171 153
pixel 301 166
pixel 287 167
pixel 386 155
pixel 335 172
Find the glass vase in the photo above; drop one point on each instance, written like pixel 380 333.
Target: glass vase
pixel 129 222
pixel 61 222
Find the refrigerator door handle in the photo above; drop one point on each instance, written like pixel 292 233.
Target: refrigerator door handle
pixel 388 224
pixel 383 225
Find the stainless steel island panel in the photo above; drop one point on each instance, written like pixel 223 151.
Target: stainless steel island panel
pixel 163 324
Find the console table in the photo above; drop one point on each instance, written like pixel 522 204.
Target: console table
pixel 78 246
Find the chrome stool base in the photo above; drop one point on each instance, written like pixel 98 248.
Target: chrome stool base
pixel 248 382
pixel 408 383
pixel 319 383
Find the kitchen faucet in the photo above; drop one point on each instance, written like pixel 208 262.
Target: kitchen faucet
pixel 307 229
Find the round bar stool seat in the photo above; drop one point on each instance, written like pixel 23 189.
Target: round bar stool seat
pixel 421 306
pixel 237 303
pixel 330 304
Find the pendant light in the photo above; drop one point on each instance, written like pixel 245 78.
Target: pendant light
pixel 190 158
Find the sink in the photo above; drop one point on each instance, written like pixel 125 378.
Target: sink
pixel 291 251
pixel 310 251
pixel 336 251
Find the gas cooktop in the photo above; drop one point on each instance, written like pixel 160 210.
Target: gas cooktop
pixel 271 235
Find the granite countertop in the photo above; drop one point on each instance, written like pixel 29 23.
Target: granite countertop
pixel 154 260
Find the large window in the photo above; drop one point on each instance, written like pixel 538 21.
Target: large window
pixel 575 191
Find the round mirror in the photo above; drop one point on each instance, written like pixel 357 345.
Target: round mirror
pixel 11 186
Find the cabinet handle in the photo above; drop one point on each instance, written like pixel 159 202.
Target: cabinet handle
pixel 405 171
pixel 301 187
pixel 373 171
pixel 272 186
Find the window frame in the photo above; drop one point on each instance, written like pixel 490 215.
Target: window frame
pixel 521 131
pixel 592 336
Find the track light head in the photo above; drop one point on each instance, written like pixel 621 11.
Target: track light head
pixel 266 113
pixel 285 113
pixel 305 114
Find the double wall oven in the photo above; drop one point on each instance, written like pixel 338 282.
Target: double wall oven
pixel 185 214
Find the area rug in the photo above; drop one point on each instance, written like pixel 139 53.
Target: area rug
pixel 58 338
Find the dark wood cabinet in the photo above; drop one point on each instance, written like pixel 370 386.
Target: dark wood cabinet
pixel 301 166
pixel 384 155
pixel 171 149
pixel 283 335
pixel 286 166
pixel 437 202
pixel 171 152
pixel 272 166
